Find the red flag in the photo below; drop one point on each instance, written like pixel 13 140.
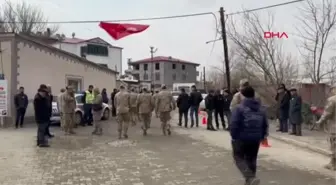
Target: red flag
pixel 118 31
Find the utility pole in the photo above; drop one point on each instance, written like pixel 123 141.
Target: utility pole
pixel 225 47
pixel 204 79
pixel 152 51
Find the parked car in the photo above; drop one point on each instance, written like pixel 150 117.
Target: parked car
pixel 79 111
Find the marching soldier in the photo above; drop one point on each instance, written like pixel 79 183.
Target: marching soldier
pixel 68 110
pixel 164 104
pixel 122 104
pixel 133 110
pixel 329 115
pixel 60 105
pixel 154 99
pixel 145 106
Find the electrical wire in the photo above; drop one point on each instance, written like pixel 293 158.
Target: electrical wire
pixel 154 18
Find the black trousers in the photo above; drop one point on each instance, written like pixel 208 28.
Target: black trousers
pixel 296 129
pixel 283 125
pixel 20 114
pixel 42 132
pixel 209 119
pixel 183 113
pixel 245 156
pixel 221 115
pixel 88 114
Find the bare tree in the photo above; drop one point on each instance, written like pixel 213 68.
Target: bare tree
pixel 23 17
pixel 318 23
pixel 264 58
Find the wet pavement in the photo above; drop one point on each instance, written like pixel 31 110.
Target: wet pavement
pixel 181 159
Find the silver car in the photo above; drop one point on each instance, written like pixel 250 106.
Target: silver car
pixel 79 111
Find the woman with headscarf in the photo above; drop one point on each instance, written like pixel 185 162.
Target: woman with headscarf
pixel 104 96
pixel 97 108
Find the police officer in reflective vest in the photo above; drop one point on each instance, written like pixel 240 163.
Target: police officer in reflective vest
pixel 88 100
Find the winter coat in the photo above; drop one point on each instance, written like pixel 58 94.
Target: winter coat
pixel 295 116
pixel 210 102
pixel 248 121
pixel 219 102
pixel 195 98
pixel 41 108
pixel 183 102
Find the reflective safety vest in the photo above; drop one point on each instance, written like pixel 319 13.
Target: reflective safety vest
pixel 89 97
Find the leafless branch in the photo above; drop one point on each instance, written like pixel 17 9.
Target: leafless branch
pixel 318 22
pixel 22 17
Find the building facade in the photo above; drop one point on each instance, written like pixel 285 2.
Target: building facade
pixel 96 50
pixel 164 70
pixel 28 63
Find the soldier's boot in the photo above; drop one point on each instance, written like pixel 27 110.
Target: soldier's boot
pixel 72 132
pixel 100 131
pixel 119 135
pixel 144 130
pixel 168 130
pixel 125 136
pixel 95 131
pixel 331 165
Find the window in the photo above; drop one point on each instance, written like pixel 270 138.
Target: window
pixel 174 66
pixel 136 76
pixel 157 76
pixel 145 67
pixel 157 66
pixel 75 83
pixel 184 77
pixel 137 66
pixel 145 76
pixel 183 67
pixel 174 76
pixel 93 49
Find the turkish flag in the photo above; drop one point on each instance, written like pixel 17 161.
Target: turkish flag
pixel 118 31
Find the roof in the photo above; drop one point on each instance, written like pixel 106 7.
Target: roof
pixel 75 40
pixel 163 59
pixel 56 50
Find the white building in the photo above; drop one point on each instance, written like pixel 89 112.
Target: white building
pixel 96 50
pixel 28 62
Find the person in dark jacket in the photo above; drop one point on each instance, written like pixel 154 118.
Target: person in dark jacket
pixel 210 107
pixel 195 100
pixel 219 108
pixel 50 98
pixel 42 115
pixel 114 113
pixel 227 103
pixel 183 105
pixel 295 117
pixel 249 127
pixel 283 98
pixel 104 96
pixel 21 103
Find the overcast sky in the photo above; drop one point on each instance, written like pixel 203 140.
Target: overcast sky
pixel 181 38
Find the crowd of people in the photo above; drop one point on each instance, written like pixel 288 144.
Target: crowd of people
pixel 246 118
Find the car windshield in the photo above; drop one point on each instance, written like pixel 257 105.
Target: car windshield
pixel 79 98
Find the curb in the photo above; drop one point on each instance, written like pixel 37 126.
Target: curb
pixel 302 145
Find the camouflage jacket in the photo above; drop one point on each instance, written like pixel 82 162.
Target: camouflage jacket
pixel 145 103
pixel 164 102
pixel 68 103
pixel 328 116
pixel 133 99
pixel 237 99
pixel 122 101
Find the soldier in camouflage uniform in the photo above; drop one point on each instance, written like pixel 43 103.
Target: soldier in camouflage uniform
pixel 122 104
pixel 164 104
pixel 154 99
pixel 329 116
pixel 133 108
pixel 145 106
pixel 68 110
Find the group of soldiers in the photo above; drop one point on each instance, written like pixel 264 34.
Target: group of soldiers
pixel 132 106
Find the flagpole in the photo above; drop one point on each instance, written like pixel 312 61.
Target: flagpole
pixel 152 51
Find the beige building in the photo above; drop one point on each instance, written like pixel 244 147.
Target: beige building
pixel 27 62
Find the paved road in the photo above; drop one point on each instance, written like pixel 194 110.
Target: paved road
pixel 154 160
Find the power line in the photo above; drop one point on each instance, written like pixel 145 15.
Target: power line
pixel 154 18
pixel 265 7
